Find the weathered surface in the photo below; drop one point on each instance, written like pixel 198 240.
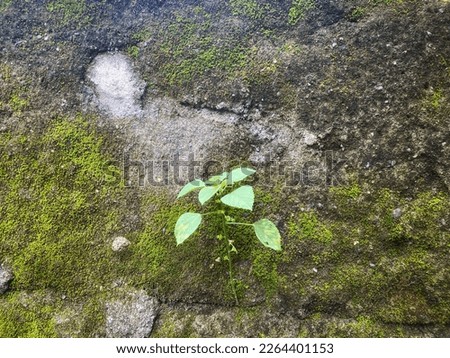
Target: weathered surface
pixel 343 107
pixel 132 316
pixel 6 277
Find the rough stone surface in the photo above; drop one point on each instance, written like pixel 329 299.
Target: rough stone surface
pixel 345 114
pixel 132 316
pixel 120 243
pixel 6 277
pixel 397 213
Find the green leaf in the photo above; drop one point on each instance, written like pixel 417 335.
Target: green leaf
pixel 186 226
pixel 241 198
pixel 216 179
pixel 207 193
pixel 239 174
pixel 268 234
pixel 193 185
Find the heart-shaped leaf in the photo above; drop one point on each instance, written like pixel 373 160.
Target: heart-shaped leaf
pixel 239 174
pixel 193 185
pixel 268 234
pixel 207 193
pixel 216 179
pixel 241 198
pixel 186 226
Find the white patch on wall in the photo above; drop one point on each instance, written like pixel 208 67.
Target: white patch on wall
pixel 118 89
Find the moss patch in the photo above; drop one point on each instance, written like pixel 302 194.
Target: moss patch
pixel 27 317
pixel 68 10
pixel 251 9
pixel 60 207
pixel 388 267
pixel 195 270
pixel 299 9
pixel 62 202
pixel 192 51
pixel 4 4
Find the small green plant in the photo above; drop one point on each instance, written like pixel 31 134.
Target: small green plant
pixel 229 193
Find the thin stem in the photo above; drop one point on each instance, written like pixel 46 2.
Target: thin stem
pixel 213 212
pixel 230 266
pixel 245 224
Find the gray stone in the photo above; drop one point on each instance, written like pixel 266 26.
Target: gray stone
pixel 397 213
pixel 131 316
pixel 310 138
pixel 6 277
pixel 117 86
pixel 120 243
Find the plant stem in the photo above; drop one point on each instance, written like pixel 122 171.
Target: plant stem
pixel 232 223
pixel 230 266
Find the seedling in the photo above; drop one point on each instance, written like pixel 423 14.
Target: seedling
pixel 229 192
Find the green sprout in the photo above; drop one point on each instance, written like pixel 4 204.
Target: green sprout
pixel 229 192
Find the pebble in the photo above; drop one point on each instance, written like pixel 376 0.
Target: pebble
pixel 120 244
pixel 310 138
pixel 396 213
pixel 5 278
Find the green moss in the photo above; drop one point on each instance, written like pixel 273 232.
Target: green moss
pixel 17 103
pixel 248 8
pixel 190 51
pixel 265 269
pixel 5 4
pixel 60 208
pixel 308 226
pixel 351 285
pixel 422 220
pixel 188 269
pixel 166 330
pixel 62 201
pixel 386 2
pixel 15 95
pixel 228 61
pixel 362 327
pixel 199 266
pixel 299 9
pixel 350 192
pixel 435 99
pixel 174 324
pixel 408 308
pixel 5 72
pixel 68 10
pixel 23 317
pixel 93 316
pixel 374 258
pixel 142 35
pixel 290 48
pixel 357 13
pixel 133 51
pixel 371 6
